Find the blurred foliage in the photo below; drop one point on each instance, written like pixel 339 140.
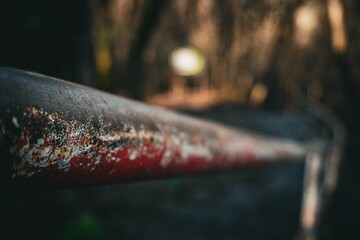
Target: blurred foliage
pixel 85 226
pixel 286 46
pixel 290 48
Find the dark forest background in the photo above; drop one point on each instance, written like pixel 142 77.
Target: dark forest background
pixel 262 54
pixel 292 47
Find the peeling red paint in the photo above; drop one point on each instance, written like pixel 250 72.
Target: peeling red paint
pixel 70 152
pixel 89 137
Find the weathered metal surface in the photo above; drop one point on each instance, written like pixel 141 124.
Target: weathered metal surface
pixel 56 133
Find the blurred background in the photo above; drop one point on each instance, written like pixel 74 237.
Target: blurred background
pixel 217 59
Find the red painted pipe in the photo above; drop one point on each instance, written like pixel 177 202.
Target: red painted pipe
pixel 56 133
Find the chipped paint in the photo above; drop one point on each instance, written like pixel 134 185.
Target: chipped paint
pixel 72 147
pixel 96 138
pixel 15 122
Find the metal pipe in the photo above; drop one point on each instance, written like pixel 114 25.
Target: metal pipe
pixel 56 134
pixel 321 170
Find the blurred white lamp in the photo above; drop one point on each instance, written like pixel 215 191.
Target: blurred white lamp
pixel 187 61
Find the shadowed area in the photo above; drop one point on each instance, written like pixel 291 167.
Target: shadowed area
pixel 240 62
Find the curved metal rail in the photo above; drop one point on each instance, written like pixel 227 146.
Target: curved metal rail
pixel 56 133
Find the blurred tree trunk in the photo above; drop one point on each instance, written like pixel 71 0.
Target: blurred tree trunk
pixel 134 80
pixel 276 93
pixel 85 51
pixel 349 61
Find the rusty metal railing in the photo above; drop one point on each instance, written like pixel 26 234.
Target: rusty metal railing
pixel 59 134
